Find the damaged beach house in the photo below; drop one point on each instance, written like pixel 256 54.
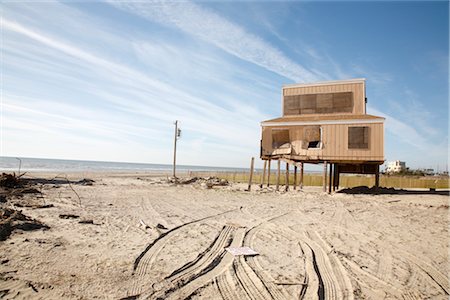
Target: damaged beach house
pixel 325 123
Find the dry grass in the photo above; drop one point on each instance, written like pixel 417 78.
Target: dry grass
pixel 345 180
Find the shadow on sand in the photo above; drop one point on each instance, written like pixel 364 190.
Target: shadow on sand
pixel 391 191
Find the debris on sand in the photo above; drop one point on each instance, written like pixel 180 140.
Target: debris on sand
pixel 390 191
pixel 87 221
pixel 68 216
pixel 207 182
pixel 11 219
pixel 161 226
pixel 9 180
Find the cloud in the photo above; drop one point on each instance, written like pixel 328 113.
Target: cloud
pixel 135 97
pixel 212 28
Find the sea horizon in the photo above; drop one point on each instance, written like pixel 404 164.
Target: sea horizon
pixel 26 164
pixel 34 164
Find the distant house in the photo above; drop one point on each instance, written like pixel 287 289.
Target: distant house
pixel 326 122
pixel 395 167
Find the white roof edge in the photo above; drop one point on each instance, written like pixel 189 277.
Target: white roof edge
pixel 324 122
pixel 344 81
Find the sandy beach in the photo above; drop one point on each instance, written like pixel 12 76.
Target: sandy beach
pixel 141 237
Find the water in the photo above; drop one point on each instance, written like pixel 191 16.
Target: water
pixel 11 164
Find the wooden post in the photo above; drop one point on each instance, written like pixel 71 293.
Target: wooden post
pixel 330 183
pixel 268 174
pixel 278 175
pixel 377 177
pixel 263 174
pixel 286 188
pixel 301 176
pixel 295 177
pixel 338 178
pixel 335 177
pixel 175 149
pixel 251 174
pixel 324 179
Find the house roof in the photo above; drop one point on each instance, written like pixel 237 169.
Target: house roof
pixel 323 119
pixel 334 82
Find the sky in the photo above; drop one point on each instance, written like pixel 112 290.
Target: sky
pixel 106 80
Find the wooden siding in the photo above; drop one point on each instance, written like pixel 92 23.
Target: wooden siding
pixel 357 88
pixel 334 142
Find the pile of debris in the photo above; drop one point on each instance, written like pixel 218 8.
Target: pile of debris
pixel 12 219
pixel 208 182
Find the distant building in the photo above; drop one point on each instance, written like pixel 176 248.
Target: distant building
pixel 395 166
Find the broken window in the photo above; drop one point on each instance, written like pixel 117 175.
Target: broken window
pixel 358 137
pixel 311 137
pixel 280 138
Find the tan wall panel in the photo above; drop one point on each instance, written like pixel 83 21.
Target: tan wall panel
pixel 335 140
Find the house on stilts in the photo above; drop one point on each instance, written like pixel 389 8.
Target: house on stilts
pixel 325 123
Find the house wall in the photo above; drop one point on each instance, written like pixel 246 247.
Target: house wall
pixel 334 143
pixel 357 88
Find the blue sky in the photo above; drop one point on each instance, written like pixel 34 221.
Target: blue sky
pixel 106 80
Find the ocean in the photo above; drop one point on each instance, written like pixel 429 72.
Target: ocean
pixel 26 164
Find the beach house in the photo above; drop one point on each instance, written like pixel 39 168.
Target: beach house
pixel 326 123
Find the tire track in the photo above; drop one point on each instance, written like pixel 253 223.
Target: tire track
pixel 148 256
pixel 436 277
pixel 325 272
pixel 311 282
pixel 249 281
pixel 263 276
pixel 227 287
pixel 337 268
pixel 195 268
pixel 218 266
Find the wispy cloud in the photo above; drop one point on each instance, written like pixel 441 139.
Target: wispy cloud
pixel 213 28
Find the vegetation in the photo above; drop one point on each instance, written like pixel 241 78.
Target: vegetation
pixel 346 180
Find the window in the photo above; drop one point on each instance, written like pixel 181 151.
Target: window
pixel 358 137
pixel 328 103
pixel 311 137
pixel 280 138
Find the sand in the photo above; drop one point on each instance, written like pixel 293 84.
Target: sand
pixel 154 240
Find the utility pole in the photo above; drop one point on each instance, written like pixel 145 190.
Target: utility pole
pixel 176 137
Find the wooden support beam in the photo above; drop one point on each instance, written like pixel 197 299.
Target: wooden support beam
pixel 278 174
pixel 338 179
pixel 263 174
pixel 287 178
pixel 335 177
pixel 268 174
pixel 295 177
pixel 330 183
pixel 324 179
pixel 377 177
pixel 251 174
pixel 301 175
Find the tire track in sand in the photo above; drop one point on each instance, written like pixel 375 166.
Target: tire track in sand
pixel 196 268
pixel 262 276
pixel 147 257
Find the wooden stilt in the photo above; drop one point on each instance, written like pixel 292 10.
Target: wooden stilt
pixel 263 174
pixel 338 178
pixel 251 174
pixel 278 174
pixel 286 188
pixel 335 177
pixel 330 183
pixel 301 176
pixel 295 177
pixel 377 177
pixel 268 174
pixel 324 179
